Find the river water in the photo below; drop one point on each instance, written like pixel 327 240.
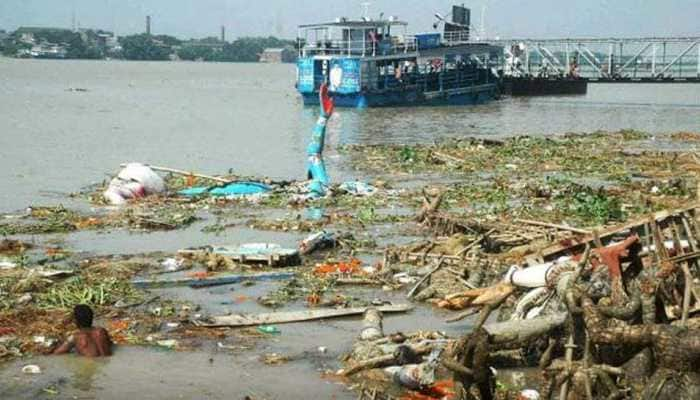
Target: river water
pixel 66 124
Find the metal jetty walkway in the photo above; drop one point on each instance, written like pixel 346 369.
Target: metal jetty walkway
pixel 651 59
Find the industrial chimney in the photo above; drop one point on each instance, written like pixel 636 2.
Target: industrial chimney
pixel 223 33
pixel 148 25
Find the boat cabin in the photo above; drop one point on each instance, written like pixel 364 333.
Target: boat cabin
pixel 368 62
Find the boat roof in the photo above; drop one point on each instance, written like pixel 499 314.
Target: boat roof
pixel 355 24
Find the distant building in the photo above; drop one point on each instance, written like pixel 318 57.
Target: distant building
pixel 106 40
pixel 3 35
pixel 28 34
pixel 48 50
pixel 278 55
pixel 26 37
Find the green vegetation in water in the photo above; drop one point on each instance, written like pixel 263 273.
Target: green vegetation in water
pixel 78 290
pixel 585 180
pixel 593 206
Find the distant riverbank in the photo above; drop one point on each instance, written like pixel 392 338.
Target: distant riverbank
pixel 57 43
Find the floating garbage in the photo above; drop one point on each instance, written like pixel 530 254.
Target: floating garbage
pixel 269 329
pixel 31 369
pixel 133 181
pixel 351 267
pixel 168 343
pixel 529 394
pixel 357 188
pixel 316 241
pixel 172 264
pixel 271 254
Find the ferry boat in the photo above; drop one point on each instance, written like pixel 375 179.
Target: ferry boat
pixel 375 63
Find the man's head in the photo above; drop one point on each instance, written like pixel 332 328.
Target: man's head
pixel 83 316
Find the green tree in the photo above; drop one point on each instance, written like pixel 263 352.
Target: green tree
pixel 248 49
pixel 194 52
pixel 80 49
pixel 144 47
pixel 168 40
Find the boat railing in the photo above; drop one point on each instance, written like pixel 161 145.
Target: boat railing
pixel 435 81
pixel 363 48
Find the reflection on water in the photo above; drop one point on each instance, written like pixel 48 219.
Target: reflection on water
pixel 84 370
pixel 659 108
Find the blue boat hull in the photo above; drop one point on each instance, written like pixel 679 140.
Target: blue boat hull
pixel 478 94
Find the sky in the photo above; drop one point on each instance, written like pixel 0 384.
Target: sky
pixel 502 18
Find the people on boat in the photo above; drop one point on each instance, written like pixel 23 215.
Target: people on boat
pixel 88 341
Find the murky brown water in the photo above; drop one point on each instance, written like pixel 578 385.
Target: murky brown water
pixel 211 117
pixel 246 117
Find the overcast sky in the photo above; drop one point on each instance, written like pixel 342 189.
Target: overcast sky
pixel 504 18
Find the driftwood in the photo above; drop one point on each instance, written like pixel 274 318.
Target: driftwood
pixel 382 361
pixel 429 206
pixel 469 362
pixel 415 288
pixel 372 328
pixel 237 320
pixel 474 243
pixel 523 330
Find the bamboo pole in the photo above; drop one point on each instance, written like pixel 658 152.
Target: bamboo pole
pixel 474 243
pixel 425 278
pixel 587 377
pixel 555 226
pixel 686 273
pixel 570 346
pixel 185 173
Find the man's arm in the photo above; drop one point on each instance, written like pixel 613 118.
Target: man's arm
pixel 66 346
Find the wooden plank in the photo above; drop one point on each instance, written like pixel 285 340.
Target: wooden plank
pixel 211 281
pixel 238 320
pixel 274 256
pixel 555 226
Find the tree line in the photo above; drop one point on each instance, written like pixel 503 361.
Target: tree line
pixel 245 49
pixel 86 44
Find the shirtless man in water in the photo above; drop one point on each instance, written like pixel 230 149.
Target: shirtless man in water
pixel 88 341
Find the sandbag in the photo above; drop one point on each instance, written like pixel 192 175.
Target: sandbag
pixel 133 181
pixel 135 172
pixel 119 191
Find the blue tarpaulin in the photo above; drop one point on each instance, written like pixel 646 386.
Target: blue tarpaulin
pixel 232 189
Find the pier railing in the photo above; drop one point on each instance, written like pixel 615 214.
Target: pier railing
pixel 663 59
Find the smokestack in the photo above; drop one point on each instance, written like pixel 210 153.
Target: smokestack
pixel 148 25
pixel 223 33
